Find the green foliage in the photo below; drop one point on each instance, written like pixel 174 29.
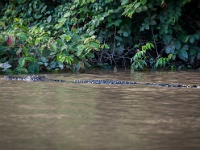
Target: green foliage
pixel 162 62
pixel 139 59
pixel 170 27
pixel 40 46
pixel 56 35
pixel 2 25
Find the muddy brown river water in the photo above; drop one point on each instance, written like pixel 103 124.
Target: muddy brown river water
pixel 63 116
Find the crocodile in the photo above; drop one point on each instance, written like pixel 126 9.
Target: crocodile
pixel 36 78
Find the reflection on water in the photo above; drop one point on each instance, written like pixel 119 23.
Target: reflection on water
pixel 50 116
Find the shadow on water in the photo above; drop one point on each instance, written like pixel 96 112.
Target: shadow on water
pixel 49 116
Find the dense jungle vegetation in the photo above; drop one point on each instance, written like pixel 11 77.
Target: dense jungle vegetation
pixel 52 35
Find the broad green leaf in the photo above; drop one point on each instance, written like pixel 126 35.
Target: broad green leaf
pixel 59 41
pixel 43 9
pixel 43 59
pixel 40 63
pixel 161 62
pixel 106 46
pixel 90 55
pixel 143 2
pixel 170 56
pixel 192 38
pixel 60 65
pixel 25 51
pixel 37 15
pixel 125 34
pixel 177 44
pixel 24 28
pixel 67 14
pixel 19 51
pixel 61 20
pixel 123 2
pixel 117 22
pixel 34 5
pixel 21 62
pixel 185 38
pixel 137 5
pixel 31 59
pixel 46 52
pixel 47 12
pixel 2 24
pixel 138 10
pixel 167 39
pixel 94 45
pixel 66 37
pixel 91 33
pixel 164 61
pixel 53 47
pixel 118 38
pixel 157 62
pixel 170 49
pixel 144 8
pixel 142 28
pixel 120 31
pixel 136 45
pixel 185 47
pixel 37 41
pixel 52 64
pixel 59 25
pixel 183 55
pixel 46 64
pixel 22 36
pixel 33 68
pixel 29 10
pixel 146 26
pixel 80 50
pixel 49 19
